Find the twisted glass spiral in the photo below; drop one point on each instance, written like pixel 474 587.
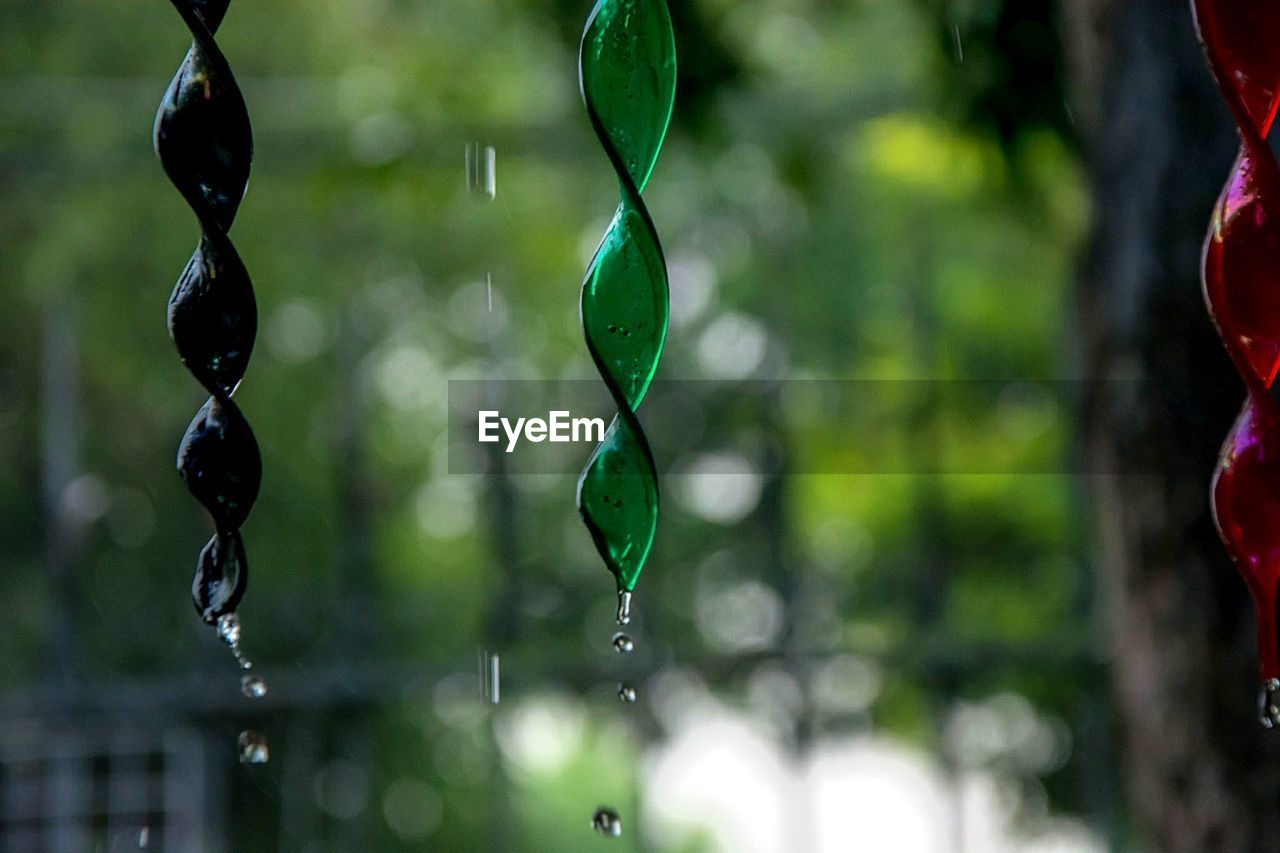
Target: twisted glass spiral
pixel 205 143
pixel 627 68
pixel 1241 277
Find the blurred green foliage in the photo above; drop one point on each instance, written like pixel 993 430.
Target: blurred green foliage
pixel 837 180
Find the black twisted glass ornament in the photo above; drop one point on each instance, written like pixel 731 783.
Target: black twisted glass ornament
pixel 205 143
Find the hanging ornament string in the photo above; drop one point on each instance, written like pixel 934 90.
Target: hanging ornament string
pixel 627 70
pixel 1241 276
pixel 205 143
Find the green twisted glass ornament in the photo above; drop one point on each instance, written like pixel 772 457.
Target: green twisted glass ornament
pixel 627 69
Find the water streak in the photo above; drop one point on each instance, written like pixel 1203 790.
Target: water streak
pixel 482 169
pixel 490 671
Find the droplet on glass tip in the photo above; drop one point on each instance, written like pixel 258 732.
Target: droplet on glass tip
pixel 626 693
pixel 623 644
pixel 229 629
pixel 253 747
pixel 624 607
pixel 606 822
pixel 1269 703
pixel 253 687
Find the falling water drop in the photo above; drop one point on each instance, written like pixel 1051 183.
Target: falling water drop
pixel 606 822
pixel 253 687
pixel 482 173
pixel 490 666
pixel 624 607
pixel 626 693
pixel 144 836
pixel 1269 703
pixel 253 747
pixel 623 644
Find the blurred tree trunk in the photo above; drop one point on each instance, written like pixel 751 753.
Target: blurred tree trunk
pixel 1202 773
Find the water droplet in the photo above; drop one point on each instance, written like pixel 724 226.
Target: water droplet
pixel 482 172
pixel 624 608
pixel 144 836
pixel 626 693
pixel 490 666
pixel 253 747
pixel 606 822
pixel 623 644
pixel 229 629
pixel 253 687
pixel 1269 703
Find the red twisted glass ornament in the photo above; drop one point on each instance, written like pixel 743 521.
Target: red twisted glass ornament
pixel 1241 275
